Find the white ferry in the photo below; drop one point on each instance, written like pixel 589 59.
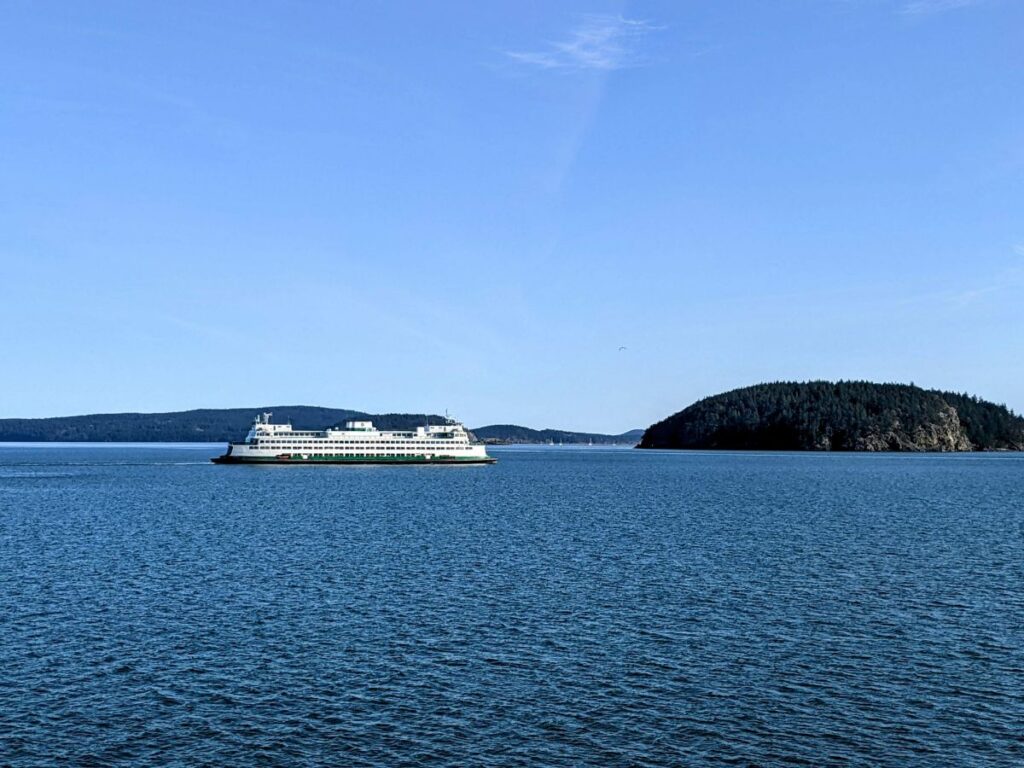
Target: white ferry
pixel 358 442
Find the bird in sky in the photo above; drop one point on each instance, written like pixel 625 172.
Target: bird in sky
pixel 622 348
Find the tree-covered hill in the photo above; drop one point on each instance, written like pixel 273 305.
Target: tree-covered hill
pixel 512 433
pixel 226 424
pixel 841 416
pixel 204 425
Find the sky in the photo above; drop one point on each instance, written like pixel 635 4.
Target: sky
pixel 474 206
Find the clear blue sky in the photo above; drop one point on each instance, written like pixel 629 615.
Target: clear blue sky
pixel 472 206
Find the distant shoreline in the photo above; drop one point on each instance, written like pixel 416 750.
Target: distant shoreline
pixel 222 425
pixel 991 453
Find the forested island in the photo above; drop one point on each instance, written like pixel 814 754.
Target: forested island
pixel 203 425
pixel 219 425
pixel 840 416
pixel 503 434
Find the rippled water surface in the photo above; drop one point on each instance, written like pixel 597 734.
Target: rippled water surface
pixel 563 607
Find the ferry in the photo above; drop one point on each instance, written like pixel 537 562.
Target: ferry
pixel 358 442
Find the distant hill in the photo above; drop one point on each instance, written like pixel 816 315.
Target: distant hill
pixel 204 425
pixel 842 416
pixel 512 433
pixel 219 425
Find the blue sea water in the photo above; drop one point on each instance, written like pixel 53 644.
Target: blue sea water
pixel 563 607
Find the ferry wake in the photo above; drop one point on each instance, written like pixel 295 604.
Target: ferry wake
pixel 358 442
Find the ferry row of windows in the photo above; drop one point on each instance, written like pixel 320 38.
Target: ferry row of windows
pixel 363 454
pixel 389 451
pixel 441 436
pixel 370 444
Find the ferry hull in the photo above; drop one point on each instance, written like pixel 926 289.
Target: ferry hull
pixel 233 459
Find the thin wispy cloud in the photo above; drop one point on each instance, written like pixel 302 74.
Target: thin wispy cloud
pixel 599 41
pixel 1019 249
pixel 971 295
pixel 923 7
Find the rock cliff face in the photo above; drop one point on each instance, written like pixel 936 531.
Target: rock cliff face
pixel 944 434
pixel 843 416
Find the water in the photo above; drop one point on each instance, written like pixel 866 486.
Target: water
pixel 564 607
